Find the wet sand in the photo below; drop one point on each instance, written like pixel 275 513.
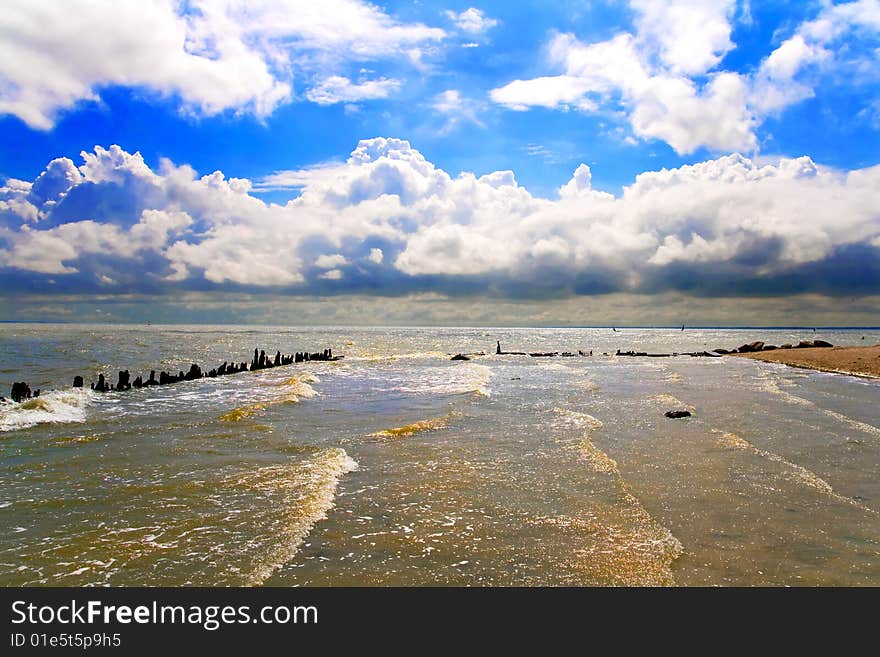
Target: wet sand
pixel 859 361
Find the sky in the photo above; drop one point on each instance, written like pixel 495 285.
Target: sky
pixel 631 162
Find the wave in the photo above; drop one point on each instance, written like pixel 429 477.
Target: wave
pixel 667 399
pixel 453 379
pixel 292 391
pixel 415 355
pixel 433 424
pixel 589 386
pixel 308 490
pixel 54 406
pixel 773 388
pixel 796 472
pixel 242 413
pixel 628 547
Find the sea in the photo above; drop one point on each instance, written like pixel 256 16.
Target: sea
pixel 396 466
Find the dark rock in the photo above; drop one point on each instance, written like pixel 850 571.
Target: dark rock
pixel 77 382
pixel 20 391
pixel 805 344
pixel 751 347
pixel 677 414
pixel 460 357
pixel 721 351
pixel 102 385
pixel 769 347
pixel 152 380
pixel 138 382
pixel 195 372
pixel 124 380
pixel 822 343
pixel 785 346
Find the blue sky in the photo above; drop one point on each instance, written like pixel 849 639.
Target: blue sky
pixel 701 148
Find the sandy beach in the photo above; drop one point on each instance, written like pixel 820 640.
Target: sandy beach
pixel 859 361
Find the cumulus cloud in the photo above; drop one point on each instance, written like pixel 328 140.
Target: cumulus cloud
pixel 789 74
pixel 727 226
pixel 338 89
pixel 472 20
pixel 213 55
pixel 331 261
pixel 667 73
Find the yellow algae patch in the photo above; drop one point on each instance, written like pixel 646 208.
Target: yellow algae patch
pixel 242 413
pixel 65 441
pixel 36 404
pixel 433 424
pixel 293 390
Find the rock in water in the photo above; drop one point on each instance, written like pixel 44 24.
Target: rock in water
pixel 677 414
pixel 822 343
pixel 20 391
pixel 77 382
pixel 123 383
pixel 460 357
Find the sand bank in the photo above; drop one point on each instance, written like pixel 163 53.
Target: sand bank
pixel 860 361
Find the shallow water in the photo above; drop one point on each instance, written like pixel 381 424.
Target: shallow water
pixel 399 466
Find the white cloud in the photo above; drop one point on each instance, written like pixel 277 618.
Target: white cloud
pixel 472 20
pixel 782 79
pixel 457 109
pixel 338 89
pixel 689 36
pixel 214 55
pixel 666 74
pixel 727 214
pixel 331 261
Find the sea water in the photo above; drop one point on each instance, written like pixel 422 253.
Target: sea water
pixel 398 466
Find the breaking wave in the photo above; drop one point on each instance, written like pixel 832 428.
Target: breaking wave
pixel 307 493
pixel 433 424
pixel 292 390
pixel 54 406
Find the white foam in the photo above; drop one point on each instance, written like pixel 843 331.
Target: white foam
pixel 321 475
pixel 55 406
